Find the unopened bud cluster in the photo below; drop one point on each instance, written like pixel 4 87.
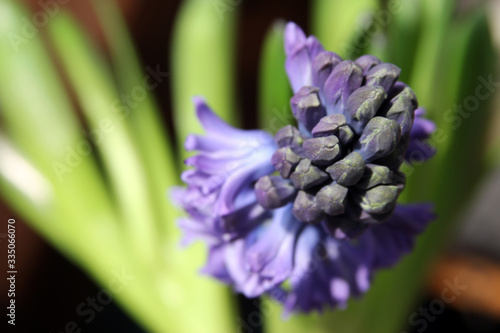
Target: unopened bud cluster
pixel 340 166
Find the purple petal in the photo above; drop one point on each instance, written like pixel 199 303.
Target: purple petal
pixel 314 47
pixel 218 130
pixel 295 38
pixel 299 69
pixel 216 266
pixel 300 53
pixel 275 245
pixel 259 166
pixel 242 221
pixel 422 129
pixel 396 237
pixel 419 151
pixel 345 78
pixel 194 230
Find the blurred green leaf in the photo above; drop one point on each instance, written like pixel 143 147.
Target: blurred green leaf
pixel 178 280
pixel 346 27
pixel 493 155
pixel 80 229
pixel 99 99
pixel 403 35
pixel 39 121
pixel 274 89
pixel 468 123
pixel 455 179
pixel 143 121
pixel 436 17
pixel 203 52
pixel 42 130
pixel 166 275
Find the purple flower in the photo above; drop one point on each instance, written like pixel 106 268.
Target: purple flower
pixel 418 149
pixel 315 207
pixel 220 193
pixel 329 271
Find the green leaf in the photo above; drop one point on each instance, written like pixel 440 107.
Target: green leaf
pixel 99 99
pixel 39 121
pixel 403 35
pixel 143 121
pixel 78 213
pixel 203 53
pixel 448 181
pixel 346 27
pixel 82 230
pixel 466 134
pixel 435 30
pixel 274 89
pixel 75 212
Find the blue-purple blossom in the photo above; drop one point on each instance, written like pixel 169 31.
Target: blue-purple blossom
pixel 220 196
pixel 309 215
pixel 418 149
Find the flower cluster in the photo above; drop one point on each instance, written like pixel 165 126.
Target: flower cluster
pixel 316 205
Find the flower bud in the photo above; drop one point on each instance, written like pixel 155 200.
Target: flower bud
pixel 284 161
pixel 375 175
pixel 384 75
pixel 273 191
pixel 305 208
pixel 322 151
pixel 329 125
pixel 331 199
pixel 345 78
pixel 367 62
pixel 379 138
pixel 363 105
pixel 307 107
pixel 378 200
pixel 288 136
pixel 322 66
pixel 307 175
pixel 349 170
pixel 401 109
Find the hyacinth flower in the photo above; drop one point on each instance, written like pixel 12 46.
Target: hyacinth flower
pixel 309 215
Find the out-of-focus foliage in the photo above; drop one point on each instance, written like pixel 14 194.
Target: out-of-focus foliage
pixel 98 189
